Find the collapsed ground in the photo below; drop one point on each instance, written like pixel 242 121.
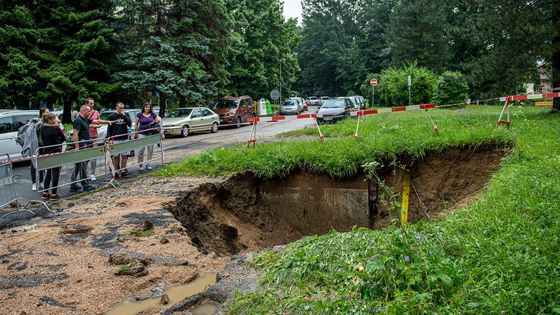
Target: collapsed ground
pixel 389 271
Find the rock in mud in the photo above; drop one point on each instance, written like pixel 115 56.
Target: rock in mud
pixel 134 268
pixel 117 259
pixel 18 266
pixel 164 240
pixel 164 300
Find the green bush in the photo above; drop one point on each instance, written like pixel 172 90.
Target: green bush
pixel 393 85
pixel 451 88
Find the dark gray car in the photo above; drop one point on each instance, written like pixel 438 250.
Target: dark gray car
pixel 334 109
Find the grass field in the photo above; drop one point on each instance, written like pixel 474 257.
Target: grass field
pixel 382 136
pixel 499 255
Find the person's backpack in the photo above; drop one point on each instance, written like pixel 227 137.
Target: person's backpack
pixel 20 139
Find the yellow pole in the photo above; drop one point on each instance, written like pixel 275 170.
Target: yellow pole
pixel 405 194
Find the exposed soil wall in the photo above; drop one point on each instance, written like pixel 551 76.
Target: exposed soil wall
pixel 246 213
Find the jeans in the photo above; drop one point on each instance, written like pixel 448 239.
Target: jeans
pixel 53 174
pixel 34 175
pixel 141 152
pixel 93 163
pixel 80 172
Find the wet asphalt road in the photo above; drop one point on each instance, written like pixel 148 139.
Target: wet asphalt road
pixel 175 149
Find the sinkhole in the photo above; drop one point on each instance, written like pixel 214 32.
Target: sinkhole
pixel 245 213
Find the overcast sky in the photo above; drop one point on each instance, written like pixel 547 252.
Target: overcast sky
pixel 292 8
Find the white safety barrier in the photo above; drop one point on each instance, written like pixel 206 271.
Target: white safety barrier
pixel 73 164
pixel 9 195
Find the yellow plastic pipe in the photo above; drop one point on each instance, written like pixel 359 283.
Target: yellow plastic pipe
pixel 405 194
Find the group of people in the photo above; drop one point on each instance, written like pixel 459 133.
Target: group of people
pixel 47 136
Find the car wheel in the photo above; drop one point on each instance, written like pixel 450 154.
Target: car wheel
pixel 238 122
pixel 184 131
pixel 214 127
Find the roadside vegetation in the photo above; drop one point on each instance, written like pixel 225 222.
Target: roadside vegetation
pixel 382 136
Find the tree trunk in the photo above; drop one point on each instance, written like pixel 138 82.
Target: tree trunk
pixel 66 111
pixel 556 59
pixel 162 105
pixel 182 101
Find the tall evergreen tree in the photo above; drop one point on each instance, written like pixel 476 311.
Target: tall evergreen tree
pixel 262 55
pixel 79 51
pixel 19 41
pixel 418 31
pixel 172 48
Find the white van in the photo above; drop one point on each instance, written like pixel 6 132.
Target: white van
pixel 10 121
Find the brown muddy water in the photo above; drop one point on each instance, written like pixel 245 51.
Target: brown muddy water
pixel 175 295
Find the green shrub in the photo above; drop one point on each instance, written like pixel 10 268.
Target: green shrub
pixel 393 85
pixel 451 88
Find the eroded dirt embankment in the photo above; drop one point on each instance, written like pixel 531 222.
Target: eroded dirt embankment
pixel 244 213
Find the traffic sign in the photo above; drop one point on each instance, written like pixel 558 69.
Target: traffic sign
pixel 275 95
pixel 373 82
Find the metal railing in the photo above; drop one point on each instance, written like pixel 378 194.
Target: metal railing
pixel 74 162
pixel 9 195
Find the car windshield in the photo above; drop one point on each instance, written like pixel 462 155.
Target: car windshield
pixel 226 104
pixel 312 98
pixel 290 103
pixel 334 104
pixel 183 112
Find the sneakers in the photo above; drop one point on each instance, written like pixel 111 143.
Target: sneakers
pixel 34 187
pixel 54 197
pixel 93 178
pixel 149 167
pixel 88 188
pixel 141 168
pixel 75 188
pixel 46 195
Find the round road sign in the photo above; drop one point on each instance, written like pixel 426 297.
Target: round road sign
pixel 275 95
pixel 373 82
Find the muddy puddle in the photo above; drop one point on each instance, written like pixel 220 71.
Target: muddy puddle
pixel 244 213
pixel 174 295
pixel 205 309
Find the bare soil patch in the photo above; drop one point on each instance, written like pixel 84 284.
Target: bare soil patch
pixel 66 263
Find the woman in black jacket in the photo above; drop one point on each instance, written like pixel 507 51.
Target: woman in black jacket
pixel 52 138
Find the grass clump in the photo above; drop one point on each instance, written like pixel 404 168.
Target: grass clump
pixel 382 136
pixel 499 255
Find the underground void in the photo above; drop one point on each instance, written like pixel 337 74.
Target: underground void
pixel 246 213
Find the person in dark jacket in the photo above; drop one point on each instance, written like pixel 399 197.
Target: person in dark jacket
pixel 51 139
pixel 118 133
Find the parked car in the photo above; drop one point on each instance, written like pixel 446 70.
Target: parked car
pixel 59 112
pixel 334 109
pixel 184 121
pixel 290 106
pixel 10 122
pixel 355 105
pixel 234 110
pixel 314 101
pixel 358 100
pixel 301 101
pixel 324 98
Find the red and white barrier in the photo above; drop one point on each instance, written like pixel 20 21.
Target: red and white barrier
pixel 528 97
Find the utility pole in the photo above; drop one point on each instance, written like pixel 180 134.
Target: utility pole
pixel 280 82
pixel 409 94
